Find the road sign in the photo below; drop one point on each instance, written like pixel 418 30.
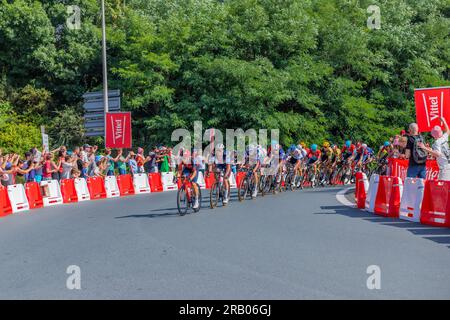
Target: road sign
pixel 45 142
pixel 94 117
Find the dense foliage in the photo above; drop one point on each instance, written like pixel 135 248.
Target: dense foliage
pixel 311 68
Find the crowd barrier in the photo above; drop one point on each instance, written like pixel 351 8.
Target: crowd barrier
pixel 417 200
pixel 435 209
pixel 125 183
pixel 5 204
pixel 112 187
pixel 68 192
pixel 413 189
pixel 155 182
pixel 18 198
pixel 399 167
pixel 167 181
pixel 82 189
pixel 387 201
pixel 96 186
pixel 141 183
pixel 34 195
pixel 51 193
pixel 372 192
pixel 361 189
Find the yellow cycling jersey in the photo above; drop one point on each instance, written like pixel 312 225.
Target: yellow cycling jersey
pixel 329 152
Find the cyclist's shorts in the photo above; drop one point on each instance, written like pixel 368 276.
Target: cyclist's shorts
pixel 358 157
pixel 187 173
pixel 293 161
pixel 346 155
pixel 221 166
pixel 312 160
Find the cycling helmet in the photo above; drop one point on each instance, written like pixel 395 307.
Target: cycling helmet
pixel 348 143
pixel 364 146
pixel 386 143
pixel 314 147
pixel 303 144
pixel 300 147
pixel 326 144
pixel 98 158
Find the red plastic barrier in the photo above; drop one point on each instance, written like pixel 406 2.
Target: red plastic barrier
pixel 239 176
pixel 34 195
pixel 96 186
pixel 209 181
pixel 432 170
pixel 387 202
pixel 399 168
pixel 435 209
pixel 360 191
pixel 125 183
pixel 68 191
pixel 155 182
pixel 5 204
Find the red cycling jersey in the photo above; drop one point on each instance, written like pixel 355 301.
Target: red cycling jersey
pixel 350 149
pixel 315 155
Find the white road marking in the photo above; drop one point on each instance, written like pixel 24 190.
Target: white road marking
pixel 340 196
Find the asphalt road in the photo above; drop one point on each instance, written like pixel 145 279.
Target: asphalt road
pixel 294 245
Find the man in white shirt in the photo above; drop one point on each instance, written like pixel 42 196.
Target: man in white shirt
pixel 440 150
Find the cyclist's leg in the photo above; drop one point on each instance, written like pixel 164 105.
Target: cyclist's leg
pixel 193 177
pixel 226 184
pixel 256 178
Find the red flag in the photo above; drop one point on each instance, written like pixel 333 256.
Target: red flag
pixel 118 130
pixel 431 104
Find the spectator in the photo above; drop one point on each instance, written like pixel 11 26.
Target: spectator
pixel 76 173
pixel 416 155
pixel 109 162
pixel 132 162
pixel 122 162
pixel 62 153
pixel 67 166
pixel 48 168
pixel 440 150
pixel 100 167
pixel 140 160
pixel 165 161
pixel 150 162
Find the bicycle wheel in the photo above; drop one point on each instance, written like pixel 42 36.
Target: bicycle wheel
pixel 182 201
pixel 267 184
pixel 290 181
pixel 243 189
pixel 282 184
pixel 214 193
pixel 262 185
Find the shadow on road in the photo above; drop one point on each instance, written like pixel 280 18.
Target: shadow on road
pixel 436 234
pixel 164 212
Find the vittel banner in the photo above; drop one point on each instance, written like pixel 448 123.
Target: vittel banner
pixel 431 105
pixel 118 130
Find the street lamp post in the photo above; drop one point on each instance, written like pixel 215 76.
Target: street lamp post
pixel 105 71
